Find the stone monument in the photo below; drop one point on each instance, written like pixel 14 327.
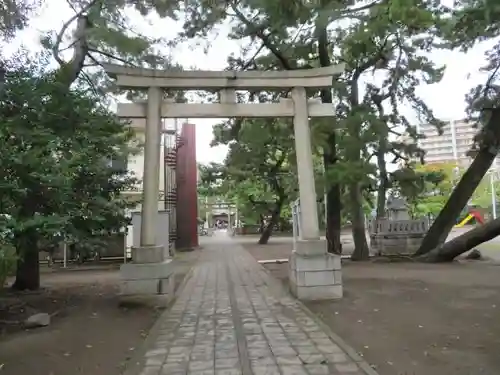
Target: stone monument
pixel 397 209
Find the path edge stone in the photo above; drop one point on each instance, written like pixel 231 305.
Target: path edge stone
pixel 135 364
pixel 349 350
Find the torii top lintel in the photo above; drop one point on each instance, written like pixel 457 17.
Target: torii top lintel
pixel 128 77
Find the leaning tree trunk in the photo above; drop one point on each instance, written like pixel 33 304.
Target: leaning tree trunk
pixel 268 230
pixel 490 141
pixel 28 264
pixel 262 225
pixel 465 242
pixel 266 234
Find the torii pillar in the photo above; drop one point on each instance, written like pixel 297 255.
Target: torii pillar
pixel 314 273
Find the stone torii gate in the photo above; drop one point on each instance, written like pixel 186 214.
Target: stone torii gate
pixel 314 273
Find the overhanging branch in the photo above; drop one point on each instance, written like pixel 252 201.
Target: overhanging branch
pixel 108 55
pixel 265 38
pixel 262 204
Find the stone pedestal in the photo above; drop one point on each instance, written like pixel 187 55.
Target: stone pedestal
pixel 404 245
pixel 150 273
pixel 397 237
pixel 149 254
pixel 315 274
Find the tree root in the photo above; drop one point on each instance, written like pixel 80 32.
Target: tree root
pixel 10 322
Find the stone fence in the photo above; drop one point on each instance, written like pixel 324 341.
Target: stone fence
pixel 393 227
pixel 397 237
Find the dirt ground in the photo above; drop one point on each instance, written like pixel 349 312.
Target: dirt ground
pixel 90 333
pixel 413 319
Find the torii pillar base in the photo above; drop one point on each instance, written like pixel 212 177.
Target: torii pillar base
pixel 314 274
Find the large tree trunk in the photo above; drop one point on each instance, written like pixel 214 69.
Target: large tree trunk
pixel 465 242
pixel 446 219
pixel 333 220
pixel 28 264
pixel 69 71
pixel 333 202
pixel 2 76
pixel 333 209
pixel 361 249
pixel 382 187
pixel 381 163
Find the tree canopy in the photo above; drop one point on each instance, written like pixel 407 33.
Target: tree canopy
pixel 385 48
pixel 259 169
pixel 57 174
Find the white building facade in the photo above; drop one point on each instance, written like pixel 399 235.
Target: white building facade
pixel 452 146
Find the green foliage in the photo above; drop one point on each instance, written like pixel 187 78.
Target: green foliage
pixel 384 47
pixel 482 195
pixel 258 172
pixel 14 15
pixel 55 173
pixel 475 22
pixel 99 32
pixel 426 187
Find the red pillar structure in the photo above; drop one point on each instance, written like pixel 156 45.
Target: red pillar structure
pixel 187 194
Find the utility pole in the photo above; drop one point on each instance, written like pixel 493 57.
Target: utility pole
pixel 207 214
pixel 236 215
pixel 325 194
pixel 493 194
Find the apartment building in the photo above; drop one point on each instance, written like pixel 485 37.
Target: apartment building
pixel 451 146
pixel 171 131
pixel 177 179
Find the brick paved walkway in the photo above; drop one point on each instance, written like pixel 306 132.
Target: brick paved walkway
pixel 233 319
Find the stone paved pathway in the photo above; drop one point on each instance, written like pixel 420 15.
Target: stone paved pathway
pixel 232 319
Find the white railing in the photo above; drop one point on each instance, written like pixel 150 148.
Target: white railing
pixel 296 222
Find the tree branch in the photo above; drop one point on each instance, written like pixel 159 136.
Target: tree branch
pixel 361 8
pixel 69 72
pixel 252 59
pixel 78 15
pixel 371 61
pixel 108 55
pixel 398 156
pixel 266 40
pixel 395 132
pixel 93 87
pixel 259 203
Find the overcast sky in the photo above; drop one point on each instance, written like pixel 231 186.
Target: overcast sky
pixel 446 98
